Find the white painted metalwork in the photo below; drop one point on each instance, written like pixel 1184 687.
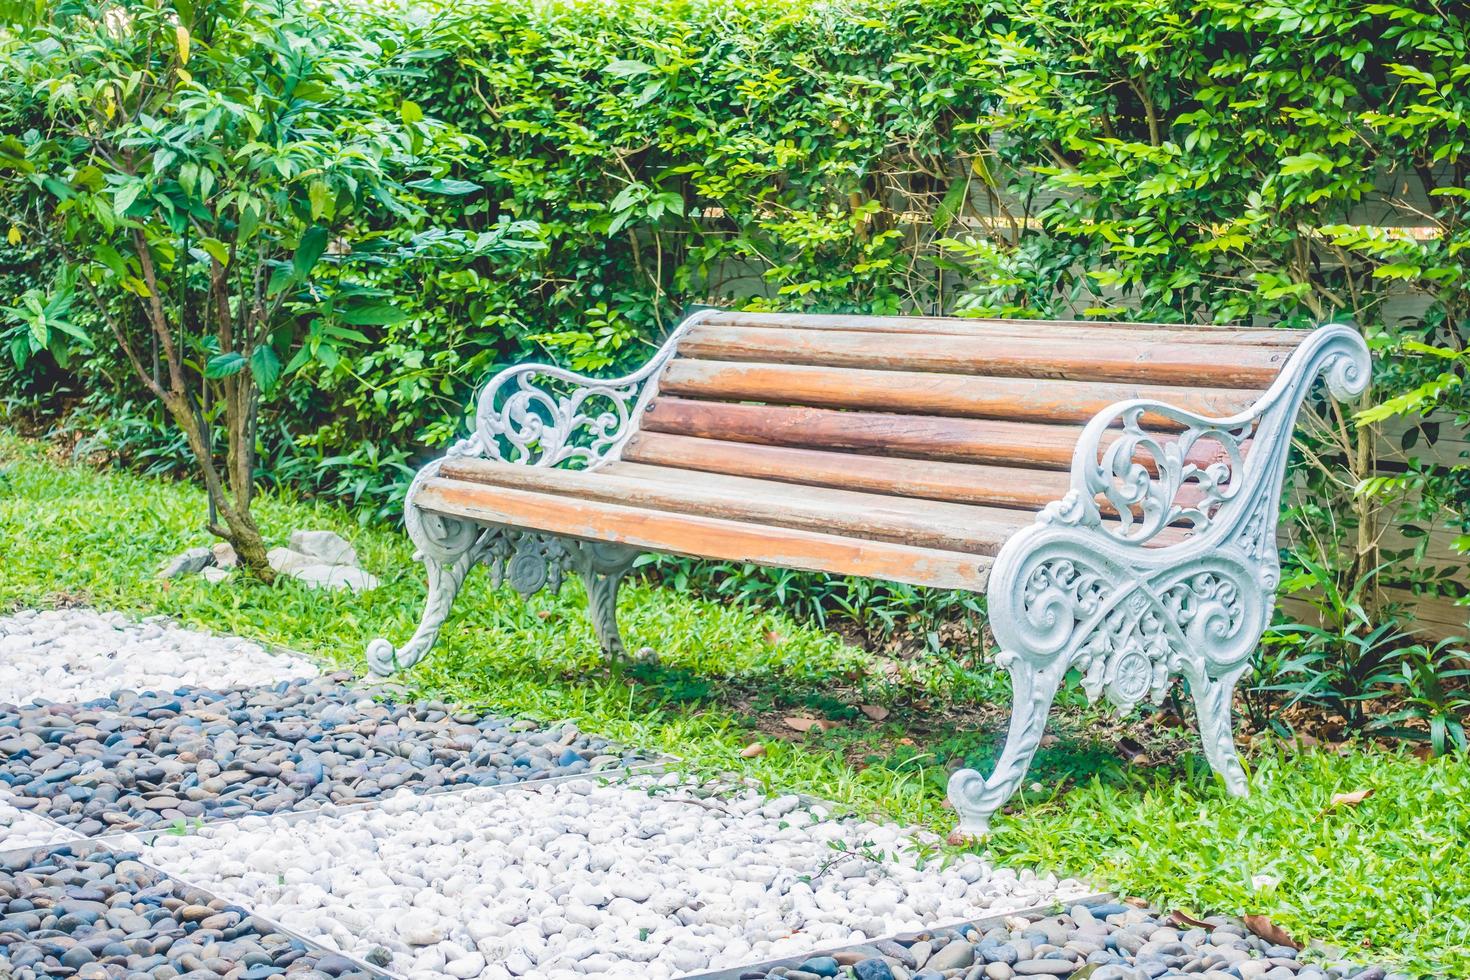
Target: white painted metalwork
pixel 1116 596
pixel 532 415
pixel 1161 560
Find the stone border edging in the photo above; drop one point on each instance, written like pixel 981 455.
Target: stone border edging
pixel 983 922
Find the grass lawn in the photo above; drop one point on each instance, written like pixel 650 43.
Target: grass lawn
pixel 1388 879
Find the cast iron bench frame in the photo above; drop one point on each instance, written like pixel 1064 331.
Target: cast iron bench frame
pixel 1156 562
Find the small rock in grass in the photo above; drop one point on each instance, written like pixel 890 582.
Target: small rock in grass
pixel 327 547
pixel 190 562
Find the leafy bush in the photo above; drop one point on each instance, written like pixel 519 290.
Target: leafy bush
pixel 189 166
pixel 1151 159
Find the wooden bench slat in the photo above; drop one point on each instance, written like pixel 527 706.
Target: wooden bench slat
pixel 1131 361
pixel 966 483
pixel 927 524
pixel 997 327
pixel 932 394
pixel 705 537
pixel 922 436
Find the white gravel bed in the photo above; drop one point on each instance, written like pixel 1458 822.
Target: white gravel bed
pixel 21 828
pixel 581 879
pixel 80 654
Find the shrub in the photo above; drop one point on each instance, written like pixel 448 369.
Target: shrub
pixel 189 166
pixel 1151 159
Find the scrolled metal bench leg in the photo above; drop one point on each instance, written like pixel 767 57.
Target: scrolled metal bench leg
pixel 449 548
pixel 1212 701
pixel 602 567
pixel 976 798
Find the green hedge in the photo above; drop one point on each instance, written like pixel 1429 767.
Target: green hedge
pixel 1209 160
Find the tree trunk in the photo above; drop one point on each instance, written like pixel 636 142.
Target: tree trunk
pixel 239 529
pixel 244 537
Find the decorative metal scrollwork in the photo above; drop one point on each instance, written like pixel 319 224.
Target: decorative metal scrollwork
pixel 540 415
pixel 528 561
pixel 532 415
pixel 1147 479
pixel 1093 585
pixel 1152 480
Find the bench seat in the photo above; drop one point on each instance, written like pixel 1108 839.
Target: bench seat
pixel 578 509
pixel 1114 488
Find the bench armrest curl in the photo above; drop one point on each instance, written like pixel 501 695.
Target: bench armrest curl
pixel 543 415
pixel 1200 474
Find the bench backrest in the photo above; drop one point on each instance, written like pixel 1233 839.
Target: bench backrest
pixel 975 411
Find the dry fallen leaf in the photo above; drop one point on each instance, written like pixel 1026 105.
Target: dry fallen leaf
pixel 1182 919
pixel 1269 931
pixel 1348 799
pixel 807 724
pixel 752 751
pixel 875 712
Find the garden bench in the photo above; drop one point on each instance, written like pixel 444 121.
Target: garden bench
pixel 1113 487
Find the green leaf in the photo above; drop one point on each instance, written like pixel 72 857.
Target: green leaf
pixel 107 255
pixel 629 69
pixel 249 220
pixel 444 185
pixel 266 367
pixel 313 244
pixel 953 203
pixel 318 194
pixel 649 93
pixel 224 365
pixel 126 195
pixel 216 249
pixel 373 316
pixel 410 112
pixel 1306 163
pixel 1397 270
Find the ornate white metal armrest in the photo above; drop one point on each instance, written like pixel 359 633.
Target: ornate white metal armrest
pixel 1090 586
pixel 542 415
pixel 1200 473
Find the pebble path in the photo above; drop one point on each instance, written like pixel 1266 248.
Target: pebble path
pixel 94 914
pixel 1107 941
pixel 245 766
pixel 21 828
pixel 141 761
pixel 78 654
pixel 578 878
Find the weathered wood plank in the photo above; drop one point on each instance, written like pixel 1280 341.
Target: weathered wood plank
pixel 1140 361
pixel 921 523
pixel 986 327
pixel 705 537
pixel 922 436
pixel 931 479
pixel 933 394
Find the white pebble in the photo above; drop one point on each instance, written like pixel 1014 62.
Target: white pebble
pixel 512 883
pixel 80 654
